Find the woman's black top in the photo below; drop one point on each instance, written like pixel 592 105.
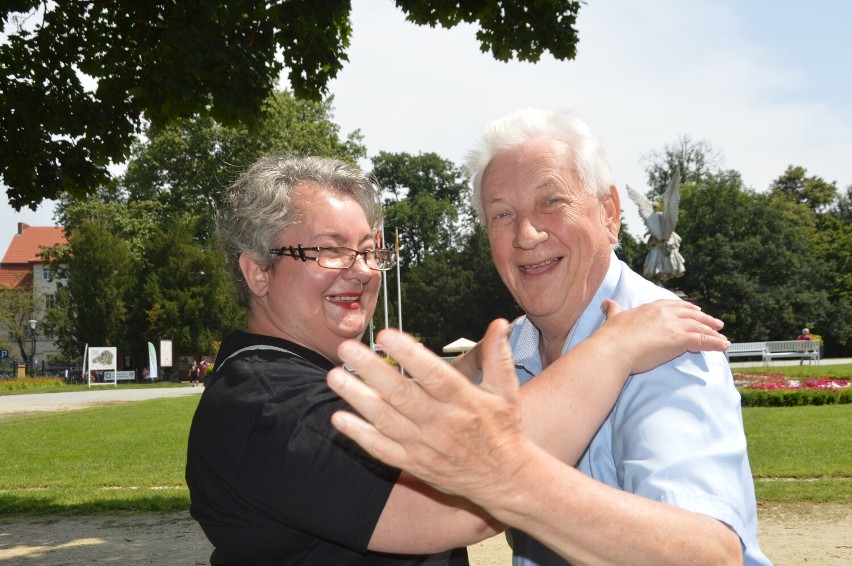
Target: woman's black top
pixel 270 480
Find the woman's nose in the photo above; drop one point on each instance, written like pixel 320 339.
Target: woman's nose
pixel 359 270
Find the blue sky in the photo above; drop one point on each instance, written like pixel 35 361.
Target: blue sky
pixel 767 83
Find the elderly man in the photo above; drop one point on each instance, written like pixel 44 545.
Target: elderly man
pixel 675 438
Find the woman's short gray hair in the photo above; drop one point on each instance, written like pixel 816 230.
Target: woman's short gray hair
pixel 258 206
pixel 518 128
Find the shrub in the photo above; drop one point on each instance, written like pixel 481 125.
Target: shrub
pixel 794 397
pixel 29 383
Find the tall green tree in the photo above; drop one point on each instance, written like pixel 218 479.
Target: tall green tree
pixel 694 160
pixel 186 165
pixel 186 295
pixel 748 262
pixel 100 292
pixel 17 307
pixel 160 60
pixel 133 221
pixel 843 207
pixel 630 250
pixel 426 199
pixel 796 186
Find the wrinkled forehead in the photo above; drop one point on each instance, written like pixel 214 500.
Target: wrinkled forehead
pixel 540 164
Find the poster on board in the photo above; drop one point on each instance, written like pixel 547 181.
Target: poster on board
pixel 102 358
pixel 166 353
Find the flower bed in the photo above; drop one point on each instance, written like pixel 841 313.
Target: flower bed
pixel 777 390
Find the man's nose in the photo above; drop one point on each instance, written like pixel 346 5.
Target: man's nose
pixel 527 234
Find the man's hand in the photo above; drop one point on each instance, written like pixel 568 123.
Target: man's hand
pixel 458 437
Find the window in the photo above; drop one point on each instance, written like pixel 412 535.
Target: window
pixel 46 273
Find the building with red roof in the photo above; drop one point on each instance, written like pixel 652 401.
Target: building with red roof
pixel 22 268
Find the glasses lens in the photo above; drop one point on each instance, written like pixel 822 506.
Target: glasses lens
pixel 336 258
pixel 344 258
pixel 384 259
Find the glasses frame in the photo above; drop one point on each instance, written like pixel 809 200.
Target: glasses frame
pixel 298 252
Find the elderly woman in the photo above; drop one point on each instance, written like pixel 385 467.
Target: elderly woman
pixel 271 481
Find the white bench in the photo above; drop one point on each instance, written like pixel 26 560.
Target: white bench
pixel 799 349
pixel 746 349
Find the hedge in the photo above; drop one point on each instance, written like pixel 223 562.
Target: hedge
pixel 794 397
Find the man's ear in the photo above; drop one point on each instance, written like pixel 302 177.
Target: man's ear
pixel 257 278
pixel 611 213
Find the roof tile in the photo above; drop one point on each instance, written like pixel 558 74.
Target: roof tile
pixel 28 242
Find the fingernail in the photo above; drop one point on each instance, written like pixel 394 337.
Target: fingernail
pixel 335 379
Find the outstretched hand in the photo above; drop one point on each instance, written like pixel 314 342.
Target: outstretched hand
pixel 440 427
pixel 654 333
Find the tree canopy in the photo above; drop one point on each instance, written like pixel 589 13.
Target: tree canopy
pixel 157 61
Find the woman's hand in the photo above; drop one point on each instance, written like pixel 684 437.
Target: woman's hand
pixel 654 333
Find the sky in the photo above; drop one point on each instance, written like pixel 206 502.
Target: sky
pixel 766 83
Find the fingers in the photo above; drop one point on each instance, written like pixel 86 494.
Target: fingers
pixel 370 439
pixel 610 308
pixel 498 367
pixel 442 382
pixel 386 398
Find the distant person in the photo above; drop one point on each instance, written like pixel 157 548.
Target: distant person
pixel 805 335
pixel 193 373
pixel 202 369
pixel 270 480
pixel 675 438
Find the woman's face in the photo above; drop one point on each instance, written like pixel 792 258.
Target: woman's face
pixel 312 305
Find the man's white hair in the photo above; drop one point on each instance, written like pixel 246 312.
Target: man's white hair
pixel 523 126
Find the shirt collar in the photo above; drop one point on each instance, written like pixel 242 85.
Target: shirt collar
pixel 524 336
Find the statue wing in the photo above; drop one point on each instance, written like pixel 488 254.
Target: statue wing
pixel 671 202
pixel 646 209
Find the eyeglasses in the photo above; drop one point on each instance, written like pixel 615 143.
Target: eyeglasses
pixel 339 257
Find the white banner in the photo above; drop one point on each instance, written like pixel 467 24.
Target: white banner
pixel 152 362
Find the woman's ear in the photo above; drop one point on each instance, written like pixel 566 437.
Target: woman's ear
pixel 257 278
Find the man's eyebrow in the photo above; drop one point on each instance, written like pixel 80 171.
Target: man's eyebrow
pixel 544 184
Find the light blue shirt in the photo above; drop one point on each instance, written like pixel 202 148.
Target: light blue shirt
pixel 675 434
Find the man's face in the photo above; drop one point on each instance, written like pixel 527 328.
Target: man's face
pixel 550 239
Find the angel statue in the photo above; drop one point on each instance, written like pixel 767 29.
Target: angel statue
pixel 664 260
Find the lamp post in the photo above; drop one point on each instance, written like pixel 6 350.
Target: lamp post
pixel 32 349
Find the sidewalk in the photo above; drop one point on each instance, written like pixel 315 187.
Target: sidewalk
pixel 105 395
pixel 101 395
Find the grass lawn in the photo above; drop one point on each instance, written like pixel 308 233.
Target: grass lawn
pixel 131 457
pixel 122 457
pixel 801 453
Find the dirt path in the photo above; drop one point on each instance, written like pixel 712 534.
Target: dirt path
pixel 790 534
